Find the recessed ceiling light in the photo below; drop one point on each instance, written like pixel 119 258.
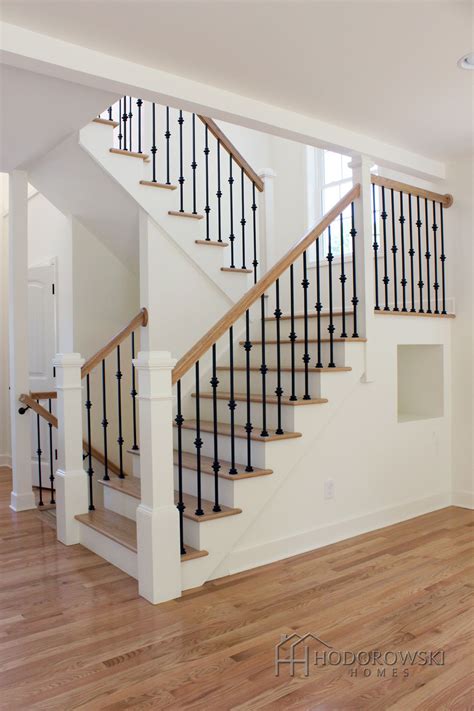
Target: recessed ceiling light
pixel 467 62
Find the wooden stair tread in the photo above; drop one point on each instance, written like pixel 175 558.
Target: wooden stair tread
pixel 192 553
pixel 191 501
pixel 324 314
pixel 154 184
pixel 236 270
pixel 105 122
pixel 177 213
pixel 381 312
pixel 129 486
pixel 116 527
pixel 211 243
pixel 131 154
pixel 287 342
pixel 286 369
pixel 190 462
pixel 242 397
pixel 239 431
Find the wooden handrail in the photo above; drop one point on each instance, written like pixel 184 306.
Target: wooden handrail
pixel 39 409
pixel 141 319
pixel 232 150
pixel 446 200
pixel 239 309
pixel 44 395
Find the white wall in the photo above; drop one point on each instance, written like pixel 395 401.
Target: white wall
pixel 5 456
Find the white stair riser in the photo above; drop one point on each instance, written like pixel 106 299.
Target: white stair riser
pixel 285 354
pixel 224 442
pixel 240 379
pixel 214 534
pixel 256 413
pixel 120 503
pixel 285 328
pixel 226 487
pixel 110 550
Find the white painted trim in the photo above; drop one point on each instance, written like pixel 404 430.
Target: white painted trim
pixel 464 499
pixel 39 53
pixel 110 550
pixel 321 536
pixel 6 460
pixel 31 195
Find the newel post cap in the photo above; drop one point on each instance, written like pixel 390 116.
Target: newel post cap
pixel 68 360
pixel 266 173
pixel 154 360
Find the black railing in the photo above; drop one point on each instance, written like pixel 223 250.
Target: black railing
pixel 414 279
pixel 275 366
pixel 45 446
pixel 173 139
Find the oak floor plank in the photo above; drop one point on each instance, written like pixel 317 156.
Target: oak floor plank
pixel 75 634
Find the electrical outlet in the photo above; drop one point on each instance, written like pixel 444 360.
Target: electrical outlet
pixel 329 489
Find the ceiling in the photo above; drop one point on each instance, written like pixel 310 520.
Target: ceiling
pixel 382 68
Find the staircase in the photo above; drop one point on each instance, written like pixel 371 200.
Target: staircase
pixel 206 444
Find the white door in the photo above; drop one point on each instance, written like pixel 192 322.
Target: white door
pixel 41 326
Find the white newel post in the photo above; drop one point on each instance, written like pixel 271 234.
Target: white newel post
pixel 22 497
pixel 71 478
pixel 361 166
pixel 267 221
pixel 159 559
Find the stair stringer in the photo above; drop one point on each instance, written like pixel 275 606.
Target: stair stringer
pixel 252 495
pixel 97 139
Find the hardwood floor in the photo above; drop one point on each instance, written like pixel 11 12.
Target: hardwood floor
pixel 75 634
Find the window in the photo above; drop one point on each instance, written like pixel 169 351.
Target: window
pixel 329 179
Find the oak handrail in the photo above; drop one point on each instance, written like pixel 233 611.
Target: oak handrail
pixel 44 394
pixel 445 200
pixel 39 409
pixel 239 309
pixel 232 150
pixel 141 319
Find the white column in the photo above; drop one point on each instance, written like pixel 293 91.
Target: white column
pixel 71 478
pixel 22 496
pixel 361 166
pixel 159 560
pixel 266 211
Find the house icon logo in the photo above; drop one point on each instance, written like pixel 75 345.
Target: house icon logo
pixel 299 645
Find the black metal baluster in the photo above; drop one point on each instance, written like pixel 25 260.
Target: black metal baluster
pixel 443 259
pixel 231 214
pixel 207 208
pixel 219 193
pixel 198 444
pixel 120 439
pixel 232 403
pixel 179 419
pixel 194 164
pixel 130 115
pixel 403 281
pixel 263 370
pixel 90 470
pixel 331 327
pixel 375 246
pixel 394 252
pixel 181 159
pixel 419 224
pixel 427 257
pixel 254 220
pixel 248 424
pixel 435 255
pixel 51 464
pixel 318 306
pixel 355 299
pixel 386 278
pixel 243 221
pixel 167 137
pixel 120 135
pixel 215 464
pixel 105 423
pixel 292 335
pixel 411 252
pixel 39 452
pixel 133 393
pixel 139 105
pixel 153 148
pixel 278 390
pixel 124 120
pixel 343 279
pixel 306 356
pixel 110 113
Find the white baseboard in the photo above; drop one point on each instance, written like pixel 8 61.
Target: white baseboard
pixel 464 499
pixel 271 551
pixel 5 460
